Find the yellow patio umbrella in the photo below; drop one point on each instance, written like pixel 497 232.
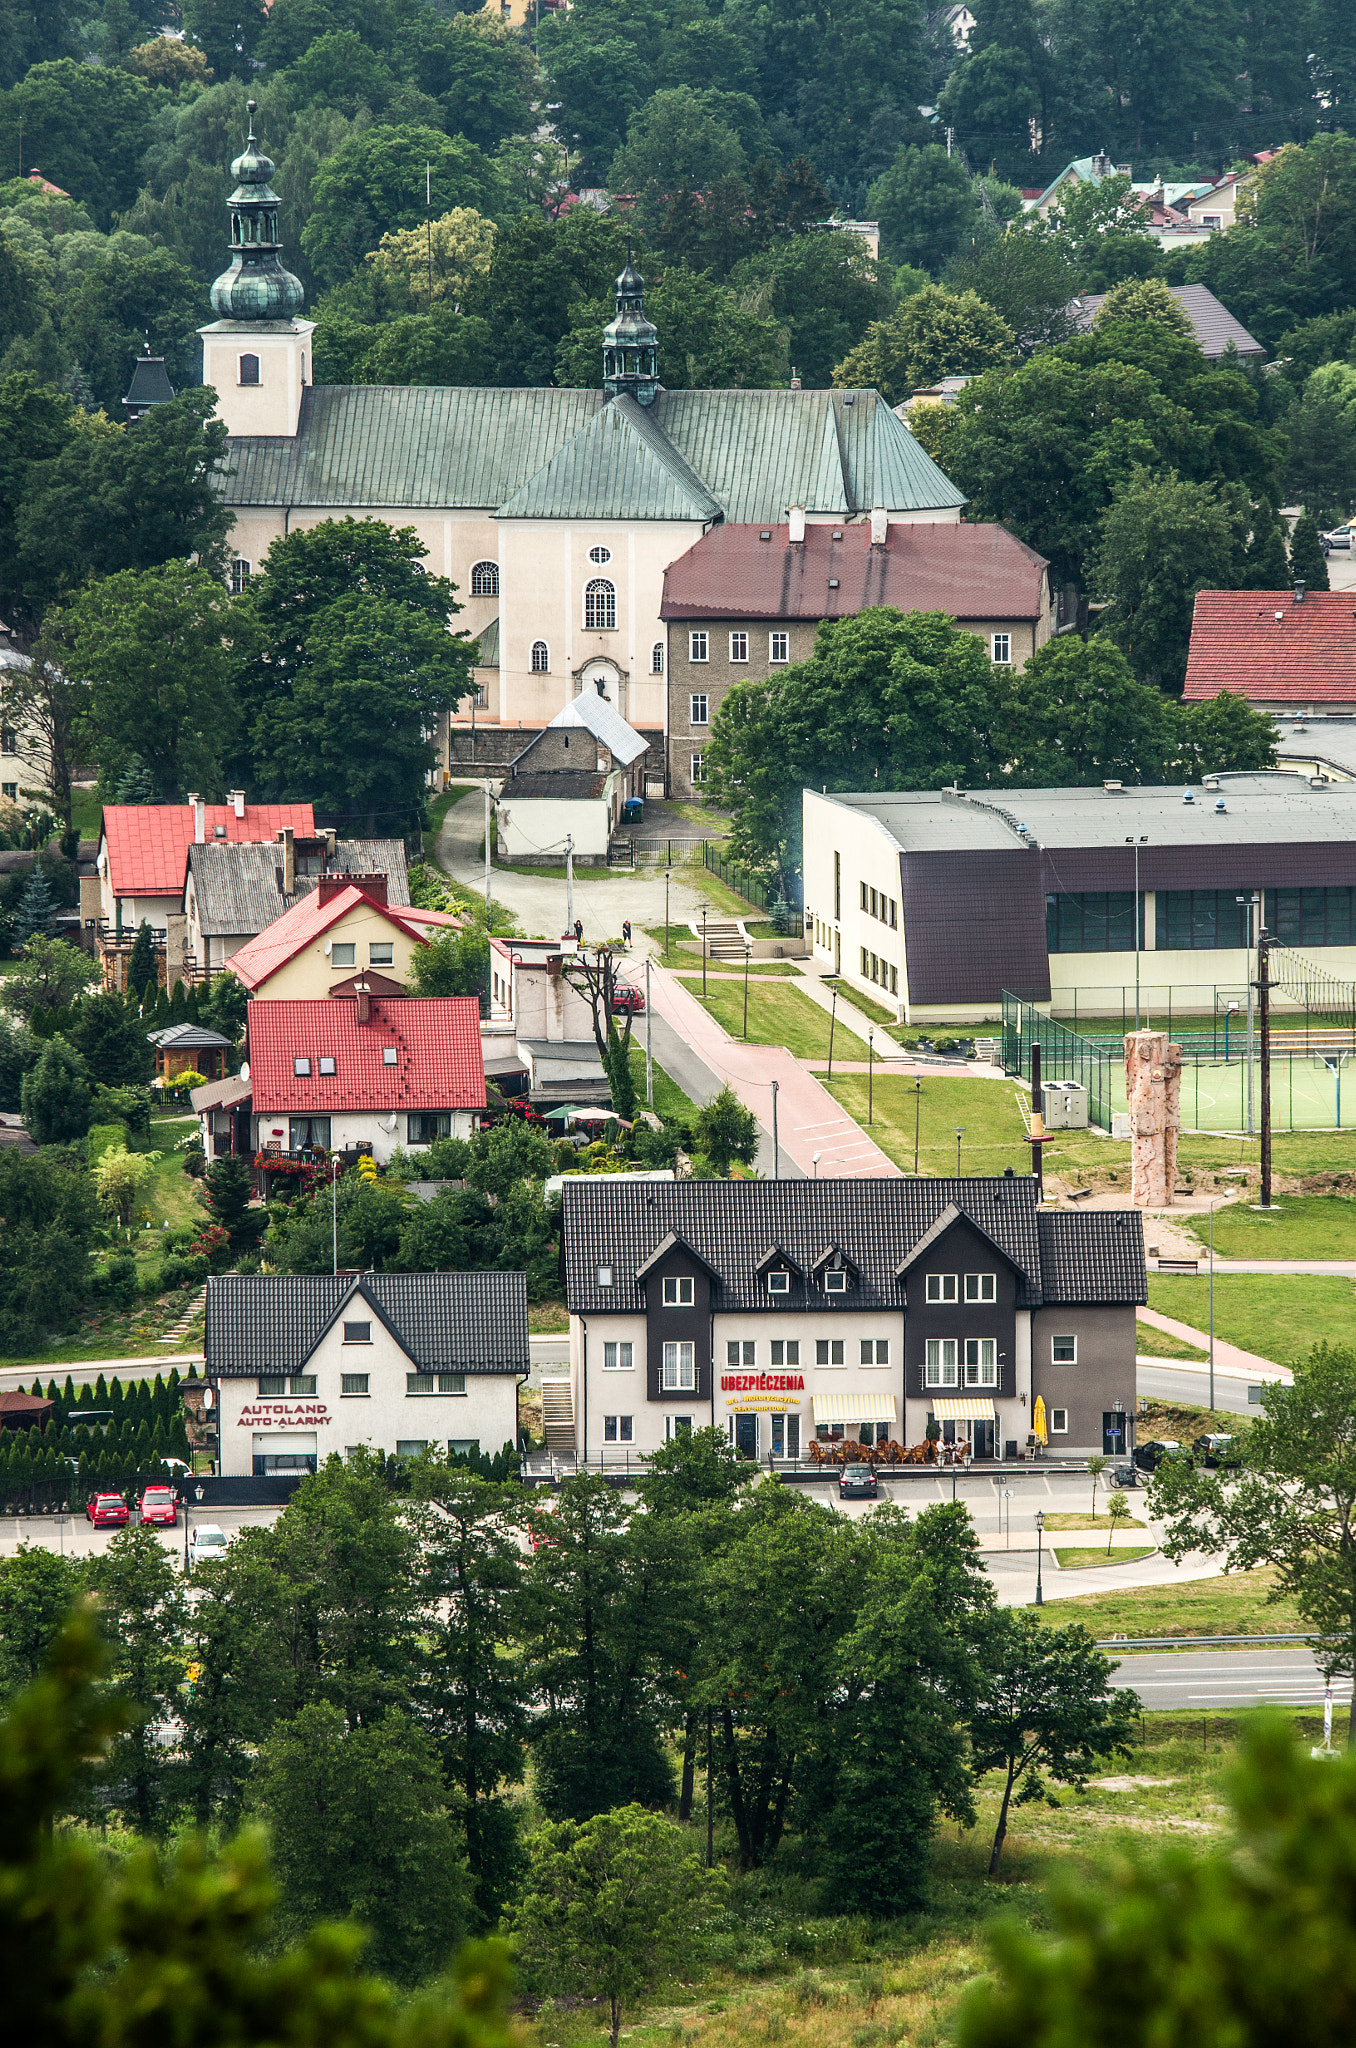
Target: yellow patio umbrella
pixel 1038 1420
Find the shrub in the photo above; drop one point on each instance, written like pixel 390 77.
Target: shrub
pixel 118 1280
pixel 105 1138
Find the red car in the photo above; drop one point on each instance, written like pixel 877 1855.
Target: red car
pixel 106 1511
pixel 625 998
pixel 160 1507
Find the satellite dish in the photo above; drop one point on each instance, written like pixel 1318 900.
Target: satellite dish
pixel 244 1070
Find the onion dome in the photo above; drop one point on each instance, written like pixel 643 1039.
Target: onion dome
pixel 255 286
pixel 631 343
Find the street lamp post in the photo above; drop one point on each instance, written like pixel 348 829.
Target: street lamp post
pixel 705 907
pixel 748 949
pixel 917 1113
pixel 870 1071
pixel 776 1148
pixel 833 1019
pixel 1040 1531
pixel 649 1040
pixel 668 877
pixel 1212 1308
pixel 815 1163
pixel 960 1132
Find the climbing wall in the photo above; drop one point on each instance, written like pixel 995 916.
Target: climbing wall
pixel 1153 1083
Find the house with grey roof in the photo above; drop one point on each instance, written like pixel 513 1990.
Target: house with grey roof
pixel 233 891
pixel 571 784
pixel 309 1366
pixel 555 512
pixel 797 1314
pixel 1213 325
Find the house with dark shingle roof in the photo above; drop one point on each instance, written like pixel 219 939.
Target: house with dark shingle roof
pixel 748 599
pixel 306 1366
pixel 232 892
pixel 554 511
pixel 790 1313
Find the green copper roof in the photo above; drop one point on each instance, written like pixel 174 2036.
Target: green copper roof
pixel 539 454
pixel 621 466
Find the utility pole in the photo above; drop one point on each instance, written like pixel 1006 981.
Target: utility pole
pixel 668 877
pixel 833 1019
pixel 705 907
pixel 649 1041
pixel 776 1149
pixel 1251 901
pixel 1212 1308
pixel 1037 1120
pixel 917 1114
pixel 569 881
pixel 487 852
pixel 748 949
pixel 1264 1034
pixel 870 1071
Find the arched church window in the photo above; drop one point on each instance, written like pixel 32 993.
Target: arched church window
pixel 485 579
pixel 657 658
pixel 541 660
pixel 600 606
pixel 249 369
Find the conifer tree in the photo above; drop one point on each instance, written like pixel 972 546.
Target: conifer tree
pixel 37 906
pixel 1308 563
pixel 178 1005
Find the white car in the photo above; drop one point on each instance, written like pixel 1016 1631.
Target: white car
pixel 206 1541
pixel 1339 537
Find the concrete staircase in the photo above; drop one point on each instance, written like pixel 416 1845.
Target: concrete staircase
pixel 725 938
pixel 557 1416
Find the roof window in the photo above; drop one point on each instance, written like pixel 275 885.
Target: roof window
pixel 838 535
pixel 301 1065
pixel 219 831
pixel 766 535
pixel 326 1063
pixel 389 1056
pixel 833 583
pixel 605 1276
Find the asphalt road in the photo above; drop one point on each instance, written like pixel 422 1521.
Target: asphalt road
pixel 1228 1678
pixel 1171 1383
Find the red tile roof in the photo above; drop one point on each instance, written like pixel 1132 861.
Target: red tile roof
pixel 972 572
pixel 437 1041
pixel 1306 655
pixel 261 957
pixel 148 843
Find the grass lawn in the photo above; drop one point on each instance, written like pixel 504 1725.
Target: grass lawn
pixel 1234 1605
pixel 1299 1227
pixel 1181 1422
pixel 669 1099
pixel 986 1112
pixel 1102 1522
pixel 778 1016
pixel 1154 1343
pixel 685 959
pixel 877 1012
pixel 548 1319
pixel 1083 1560
pixel 86 812
pixel 1277 1315
pixel 1300 1153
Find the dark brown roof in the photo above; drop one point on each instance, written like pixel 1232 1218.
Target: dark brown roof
pixel 972 572
pixel 557 784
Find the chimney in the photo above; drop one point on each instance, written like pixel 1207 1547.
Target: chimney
pixel 371 885
pixel 199 818
pixel 364 995
pixel 880 526
pixel 795 380
pixel 331 843
pixel 238 802
pixel 1299 593
pixel 796 526
pixel 289 867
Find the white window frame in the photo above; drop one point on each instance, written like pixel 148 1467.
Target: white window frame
pixel 485 578
pixel 939 1362
pixel 1001 649
pixel 981 1368
pixel 779 1282
pixel 786 1351
pixel 657 658
pixel 981 1287
pixel 680 1290
pixel 830 1351
pixel 619 1429
pixel 541 658
pixel 240 576
pixel 739 647
pixel 1066 1337
pixel 835 1281
pixel 600 556
pixel 619 1357
pixel 344 953
pixel 381 952
pixel 778 649
pixel 943 1288
pixel 355 1386
pixel 699 767
pixel 678 1369
pixel 875 1351
pixel 1059 1422
pixel 365 1327
pixel 698 704
pixel 600 605
pixel 698 646
pixel 741 1353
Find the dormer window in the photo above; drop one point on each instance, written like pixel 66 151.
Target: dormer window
pixel 779 1283
pixel 678 1290
pixel 835 1282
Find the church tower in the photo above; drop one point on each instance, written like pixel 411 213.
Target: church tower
pixel 631 343
pixel 256 356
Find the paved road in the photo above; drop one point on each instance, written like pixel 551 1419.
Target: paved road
pixel 78 1538
pixel 1228 1678
pixel 1168 1382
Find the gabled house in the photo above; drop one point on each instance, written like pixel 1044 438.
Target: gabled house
pixel 797 1312
pixel 345 926
pixel 141 865
pixel 540 1025
pixel 572 782
pixel 1213 325
pixel 232 891
pixel 190 1048
pixel 363 1073
pixel 306 1367
pixel 1288 651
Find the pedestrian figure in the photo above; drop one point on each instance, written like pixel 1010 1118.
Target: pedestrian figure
pixel 579 930
pixel 626 933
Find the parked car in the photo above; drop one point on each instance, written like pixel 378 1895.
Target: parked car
pixel 160 1507
pixel 107 1511
pixel 206 1541
pixel 857 1482
pixel 1216 1449
pixel 625 998
pixel 1337 537
pixel 1151 1455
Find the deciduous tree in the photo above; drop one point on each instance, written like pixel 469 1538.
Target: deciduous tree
pixel 1162 540
pixel 927 207
pixel 935 333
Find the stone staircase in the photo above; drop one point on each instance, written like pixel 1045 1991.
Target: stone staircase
pixel 557 1416
pixel 726 938
pixel 178 1331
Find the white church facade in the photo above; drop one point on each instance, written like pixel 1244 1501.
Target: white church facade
pixel 554 512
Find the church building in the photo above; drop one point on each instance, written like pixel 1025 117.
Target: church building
pixel 554 512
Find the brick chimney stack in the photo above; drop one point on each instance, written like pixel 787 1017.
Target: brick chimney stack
pixel 288 839
pixel 364 995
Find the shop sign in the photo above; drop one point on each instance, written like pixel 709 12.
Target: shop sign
pixel 762 1383
pixel 746 1403
pixel 284 1415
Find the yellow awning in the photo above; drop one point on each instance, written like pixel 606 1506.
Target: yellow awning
pixel 854 1407
pixel 963 1411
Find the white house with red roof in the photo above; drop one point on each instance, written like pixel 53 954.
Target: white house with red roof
pixel 364 1072
pixel 143 858
pixel 342 930
pixel 1291 651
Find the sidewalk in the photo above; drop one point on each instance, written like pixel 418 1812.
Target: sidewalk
pixel 813 1131
pixel 1230 1359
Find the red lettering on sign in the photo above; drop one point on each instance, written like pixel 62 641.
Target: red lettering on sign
pixel 762 1383
pixel 293 1415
